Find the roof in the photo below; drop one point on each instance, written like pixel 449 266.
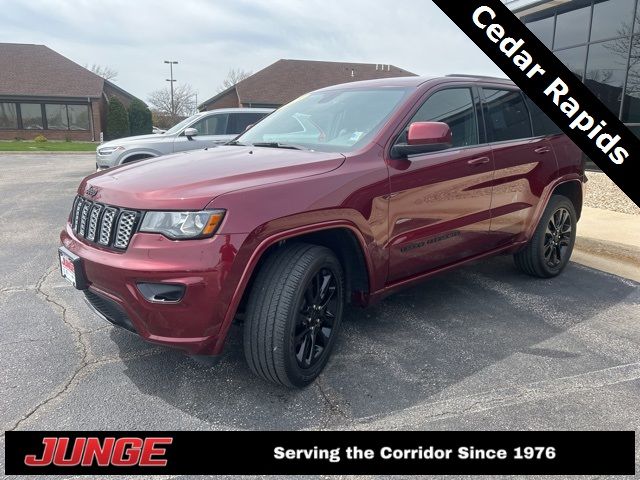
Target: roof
pixel 285 80
pixel 38 71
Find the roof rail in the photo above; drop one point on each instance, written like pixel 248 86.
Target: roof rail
pixel 486 77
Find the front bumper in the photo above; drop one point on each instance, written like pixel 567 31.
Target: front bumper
pixel 194 324
pixel 107 161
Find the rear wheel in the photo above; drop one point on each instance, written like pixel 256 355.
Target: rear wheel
pixel 548 252
pixel 294 314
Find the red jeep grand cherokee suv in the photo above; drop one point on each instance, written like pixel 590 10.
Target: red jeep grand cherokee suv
pixel 346 194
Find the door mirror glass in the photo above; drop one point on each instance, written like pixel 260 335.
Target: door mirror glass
pixel 190 132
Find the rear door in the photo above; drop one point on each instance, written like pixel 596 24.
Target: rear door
pixel 240 121
pixel 524 161
pixel 440 202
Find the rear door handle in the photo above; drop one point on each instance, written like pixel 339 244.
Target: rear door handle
pixel 479 161
pixel 542 150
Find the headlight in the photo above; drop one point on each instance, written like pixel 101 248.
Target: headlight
pixel 109 150
pixel 182 225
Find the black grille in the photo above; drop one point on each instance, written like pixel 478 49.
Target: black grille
pixel 103 224
pixel 110 310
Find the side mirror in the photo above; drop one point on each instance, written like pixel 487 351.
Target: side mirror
pixel 190 132
pixel 424 137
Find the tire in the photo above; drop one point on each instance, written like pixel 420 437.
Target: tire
pixel 549 250
pixel 293 315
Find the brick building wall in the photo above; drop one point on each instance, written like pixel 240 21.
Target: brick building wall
pixel 229 100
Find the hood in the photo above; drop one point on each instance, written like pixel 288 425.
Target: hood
pixel 134 139
pixel 190 180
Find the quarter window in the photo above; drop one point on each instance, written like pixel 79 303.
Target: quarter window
pixel 455 108
pixel 506 115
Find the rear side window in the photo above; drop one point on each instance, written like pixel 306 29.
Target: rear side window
pixel 238 122
pixel 454 107
pixel 542 125
pixel 506 115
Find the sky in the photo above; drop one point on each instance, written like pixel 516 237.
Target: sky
pixel 210 37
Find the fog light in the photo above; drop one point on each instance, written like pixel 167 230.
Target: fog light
pixel 161 292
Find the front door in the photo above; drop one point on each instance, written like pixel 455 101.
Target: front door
pixel 440 202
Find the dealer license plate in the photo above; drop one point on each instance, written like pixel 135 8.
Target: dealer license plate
pixel 67 268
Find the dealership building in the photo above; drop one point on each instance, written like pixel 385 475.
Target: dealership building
pixel 598 40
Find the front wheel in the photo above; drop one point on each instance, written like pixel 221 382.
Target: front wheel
pixel 548 252
pixel 294 313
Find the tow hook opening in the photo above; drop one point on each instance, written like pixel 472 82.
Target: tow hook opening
pixel 161 292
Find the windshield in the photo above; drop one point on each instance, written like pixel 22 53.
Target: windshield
pixel 181 125
pixel 330 121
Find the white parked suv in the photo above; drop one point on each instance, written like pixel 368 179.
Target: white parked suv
pixel 204 129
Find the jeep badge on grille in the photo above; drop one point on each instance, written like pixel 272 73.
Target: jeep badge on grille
pixel 91 191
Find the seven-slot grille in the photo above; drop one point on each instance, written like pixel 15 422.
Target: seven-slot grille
pixel 103 224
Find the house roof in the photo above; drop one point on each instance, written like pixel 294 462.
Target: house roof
pixel 38 71
pixel 285 80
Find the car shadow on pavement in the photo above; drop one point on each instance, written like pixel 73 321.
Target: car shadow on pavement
pixel 479 328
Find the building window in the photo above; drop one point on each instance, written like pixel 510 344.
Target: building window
pixel 631 107
pixel 574 59
pixel 31 116
pixel 543 29
pixel 78 117
pixel 56 117
pixel 612 19
pixel 572 26
pixel 8 116
pixel 606 69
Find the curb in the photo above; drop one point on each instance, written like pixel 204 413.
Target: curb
pixel 612 250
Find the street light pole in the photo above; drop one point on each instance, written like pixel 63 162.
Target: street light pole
pixel 171 64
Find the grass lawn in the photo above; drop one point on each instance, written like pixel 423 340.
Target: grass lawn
pixel 50 146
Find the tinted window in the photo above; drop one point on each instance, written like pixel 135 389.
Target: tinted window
pixel 31 116
pixel 606 69
pixel 612 19
pixel 213 125
pixel 631 107
pixel 78 117
pixel 542 125
pixel 573 59
pixel 8 115
pixel 572 27
pixel 56 117
pixel 238 122
pixel 542 28
pixel 455 108
pixel 507 116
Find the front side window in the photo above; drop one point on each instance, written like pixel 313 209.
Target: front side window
pixel 56 117
pixel 31 116
pixel 329 121
pixel 8 115
pixel 455 108
pixel 506 115
pixel 213 125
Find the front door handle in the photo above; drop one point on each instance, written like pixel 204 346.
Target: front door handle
pixel 542 150
pixel 479 161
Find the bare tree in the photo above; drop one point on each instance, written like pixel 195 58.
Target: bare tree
pixel 234 76
pixel 184 103
pixel 105 72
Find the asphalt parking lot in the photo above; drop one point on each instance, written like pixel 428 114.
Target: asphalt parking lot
pixel 483 347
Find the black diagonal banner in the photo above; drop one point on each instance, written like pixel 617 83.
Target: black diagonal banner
pixel 552 86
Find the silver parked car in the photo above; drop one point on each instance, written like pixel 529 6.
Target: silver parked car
pixel 204 129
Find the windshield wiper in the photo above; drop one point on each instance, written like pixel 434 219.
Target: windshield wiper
pixel 278 145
